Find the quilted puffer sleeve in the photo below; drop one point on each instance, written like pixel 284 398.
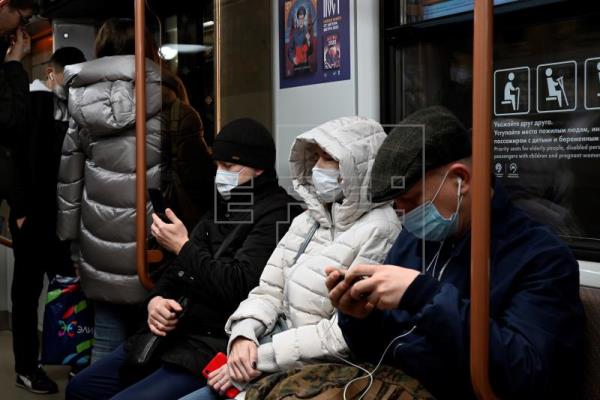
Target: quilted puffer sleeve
pixel 370 238
pixel 258 314
pixel 70 184
pixel 324 340
pixel 377 236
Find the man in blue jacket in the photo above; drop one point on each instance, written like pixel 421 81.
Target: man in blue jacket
pixel 536 317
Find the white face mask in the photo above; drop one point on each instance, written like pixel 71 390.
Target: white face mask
pixel 327 185
pixel 226 181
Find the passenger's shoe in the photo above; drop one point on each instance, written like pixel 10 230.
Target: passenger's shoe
pixel 37 382
pixel 75 369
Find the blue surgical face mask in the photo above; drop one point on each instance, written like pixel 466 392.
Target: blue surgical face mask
pixel 327 185
pixel 426 222
pixel 226 181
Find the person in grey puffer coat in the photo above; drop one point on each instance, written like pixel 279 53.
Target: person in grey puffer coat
pixel 96 189
pixel 288 320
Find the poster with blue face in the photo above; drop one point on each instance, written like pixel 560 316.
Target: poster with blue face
pixel 314 42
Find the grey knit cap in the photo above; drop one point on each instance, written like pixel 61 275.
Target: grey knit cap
pixel 400 162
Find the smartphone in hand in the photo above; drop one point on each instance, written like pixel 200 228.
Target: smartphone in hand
pixel 158 204
pixel 217 362
pixel 342 276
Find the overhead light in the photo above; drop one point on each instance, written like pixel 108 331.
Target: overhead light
pixel 167 52
pixel 208 24
pixel 172 49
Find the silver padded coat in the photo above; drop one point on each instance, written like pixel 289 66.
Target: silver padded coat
pixel 96 189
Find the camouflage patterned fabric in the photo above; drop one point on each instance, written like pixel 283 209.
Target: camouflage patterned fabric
pixel 327 382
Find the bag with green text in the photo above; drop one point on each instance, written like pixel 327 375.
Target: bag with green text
pixel 68 324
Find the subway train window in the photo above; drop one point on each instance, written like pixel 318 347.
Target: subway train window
pixel 187 48
pixel 184 32
pixel 546 124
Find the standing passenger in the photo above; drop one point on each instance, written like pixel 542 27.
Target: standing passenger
pixel 14 107
pixel 15 43
pixel 187 171
pixel 37 248
pixel 14 46
pixel 97 177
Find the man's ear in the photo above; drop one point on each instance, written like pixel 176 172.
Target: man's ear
pixel 462 171
pixel 3 3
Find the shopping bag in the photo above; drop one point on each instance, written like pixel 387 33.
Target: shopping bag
pixel 68 324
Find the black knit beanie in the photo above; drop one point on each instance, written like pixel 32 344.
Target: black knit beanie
pixel 245 142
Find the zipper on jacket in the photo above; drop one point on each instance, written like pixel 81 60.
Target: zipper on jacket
pixel 148 347
pixel 331 220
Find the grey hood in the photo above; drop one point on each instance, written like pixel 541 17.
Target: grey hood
pixel 102 93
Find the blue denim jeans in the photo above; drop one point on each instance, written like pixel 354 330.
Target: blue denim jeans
pixel 203 394
pixel 102 380
pixel 113 324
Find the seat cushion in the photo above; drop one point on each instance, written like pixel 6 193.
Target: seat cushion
pixel 591 302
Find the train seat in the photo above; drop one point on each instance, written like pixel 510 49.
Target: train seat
pixel 591 302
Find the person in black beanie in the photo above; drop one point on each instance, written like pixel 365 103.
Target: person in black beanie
pixel 216 267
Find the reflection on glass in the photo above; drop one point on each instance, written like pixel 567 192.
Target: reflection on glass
pixel 546 127
pixel 423 10
pixel 187 49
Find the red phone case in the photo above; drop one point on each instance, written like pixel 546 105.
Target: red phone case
pixel 217 362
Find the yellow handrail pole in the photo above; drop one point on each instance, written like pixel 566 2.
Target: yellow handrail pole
pixel 217 73
pixel 481 201
pixel 140 144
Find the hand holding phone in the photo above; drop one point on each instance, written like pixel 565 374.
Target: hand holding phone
pixel 217 362
pixel 158 204
pixel 342 276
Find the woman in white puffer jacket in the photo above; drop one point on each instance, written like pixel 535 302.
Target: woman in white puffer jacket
pixel 287 320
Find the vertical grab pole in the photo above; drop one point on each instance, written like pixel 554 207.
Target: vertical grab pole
pixel 217 73
pixel 481 202
pixel 140 144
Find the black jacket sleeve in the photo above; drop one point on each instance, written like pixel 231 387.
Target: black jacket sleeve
pixel 21 196
pixel 14 101
pixel 224 281
pixel 169 285
pixel 32 158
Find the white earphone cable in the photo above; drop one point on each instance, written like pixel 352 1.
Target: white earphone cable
pixel 369 374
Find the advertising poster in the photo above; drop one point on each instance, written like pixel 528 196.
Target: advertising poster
pixel 314 42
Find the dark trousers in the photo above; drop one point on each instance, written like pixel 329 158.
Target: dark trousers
pixel 102 380
pixel 37 252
